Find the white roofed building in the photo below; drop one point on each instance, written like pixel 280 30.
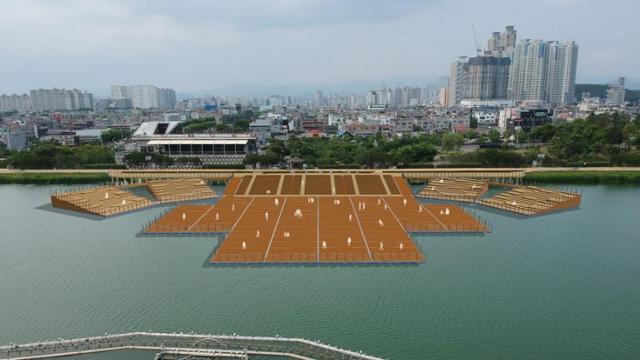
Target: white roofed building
pixel 167 138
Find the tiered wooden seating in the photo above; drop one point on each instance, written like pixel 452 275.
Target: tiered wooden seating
pixel 456 189
pixel 101 201
pixel 180 190
pixel 531 200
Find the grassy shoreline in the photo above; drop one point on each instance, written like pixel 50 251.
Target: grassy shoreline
pixel 616 177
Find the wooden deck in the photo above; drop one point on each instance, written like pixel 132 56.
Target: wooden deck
pixel 102 201
pixel 532 200
pixel 454 189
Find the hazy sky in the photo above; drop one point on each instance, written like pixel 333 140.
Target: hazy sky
pixel 194 45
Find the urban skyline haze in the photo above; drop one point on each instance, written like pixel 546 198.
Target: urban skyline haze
pixel 243 46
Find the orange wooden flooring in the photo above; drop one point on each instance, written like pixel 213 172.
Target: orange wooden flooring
pixel 317 229
pixel 338 223
pixel 383 233
pixel 249 239
pixel 296 236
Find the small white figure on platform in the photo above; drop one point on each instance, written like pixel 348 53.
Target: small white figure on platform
pixel 349 241
pixel 350 217
pixel 381 247
pixel 401 246
pixel 217 216
pixel 420 209
pixel 257 233
pixel 380 222
pixel 364 205
pixel 474 186
pixel 324 244
pixel 312 200
pixel 184 216
pixel 404 202
pixel 233 207
pixel 379 201
pixel 446 211
pixel 276 202
pixel 244 245
pixel 201 182
pixel 266 215
pixel 286 234
pixel 433 188
pixel 298 213
pixel 338 202
pixel 385 206
pixel 106 195
pixel 124 202
pixel 513 203
pixel 441 181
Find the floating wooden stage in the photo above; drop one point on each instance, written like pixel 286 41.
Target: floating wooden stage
pixel 322 219
pixel 532 200
pixel 101 201
pixel 454 189
pixel 114 200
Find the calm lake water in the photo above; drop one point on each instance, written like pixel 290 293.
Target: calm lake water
pixel 562 286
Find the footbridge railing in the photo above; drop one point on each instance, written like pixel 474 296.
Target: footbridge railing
pixel 172 346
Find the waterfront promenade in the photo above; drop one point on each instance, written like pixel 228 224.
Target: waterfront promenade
pixel 168 346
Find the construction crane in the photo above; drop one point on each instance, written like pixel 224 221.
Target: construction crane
pixel 475 38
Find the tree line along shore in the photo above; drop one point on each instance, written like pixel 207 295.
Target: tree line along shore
pixel 612 177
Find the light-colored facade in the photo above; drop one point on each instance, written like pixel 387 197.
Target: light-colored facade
pixel 499 42
pixel 166 138
pixel 20 103
pixel 544 71
pixel 145 96
pixel 458 84
pixel 60 99
pixel 615 93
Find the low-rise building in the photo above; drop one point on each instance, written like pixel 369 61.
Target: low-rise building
pixel 167 138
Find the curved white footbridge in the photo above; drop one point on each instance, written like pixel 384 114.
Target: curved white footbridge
pixel 183 346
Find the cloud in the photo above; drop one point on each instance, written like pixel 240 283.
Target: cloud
pixel 210 44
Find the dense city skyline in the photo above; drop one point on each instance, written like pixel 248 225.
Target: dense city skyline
pixel 252 45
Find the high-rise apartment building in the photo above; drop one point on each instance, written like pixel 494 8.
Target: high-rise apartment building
pixel 487 77
pixel 145 96
pixel 458 84
pixel 20 103
pixel 60 99
pixel 119 92
pixel 544 71
pixel 499 42
pixel 615 93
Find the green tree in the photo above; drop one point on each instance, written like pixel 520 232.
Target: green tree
pixel 452 142
pixel 494 136
pixel 113 135
pixel 135 159
pixel 543 133
pixel 473 122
